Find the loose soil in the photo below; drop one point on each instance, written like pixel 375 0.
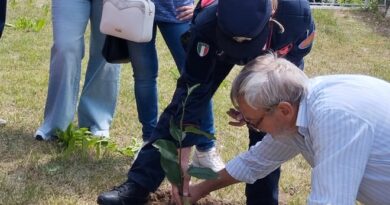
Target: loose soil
pixel 163 197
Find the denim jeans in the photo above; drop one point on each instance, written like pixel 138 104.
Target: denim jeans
pixel 99 95
pixel 145 68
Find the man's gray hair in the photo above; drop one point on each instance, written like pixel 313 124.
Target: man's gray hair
pixel 268 80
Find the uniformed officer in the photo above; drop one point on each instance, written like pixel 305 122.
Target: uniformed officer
pixel 222 35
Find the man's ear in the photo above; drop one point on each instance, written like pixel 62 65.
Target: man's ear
pixel 286 109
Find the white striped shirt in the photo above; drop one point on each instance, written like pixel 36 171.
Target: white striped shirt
pixel 344 134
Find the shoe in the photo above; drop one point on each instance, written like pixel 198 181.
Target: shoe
pixel 208 159
pixel 100 133
pixel 2 122
pixel 127 193
pixel 42 137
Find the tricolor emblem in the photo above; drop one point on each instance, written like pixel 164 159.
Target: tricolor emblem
pixel 202 49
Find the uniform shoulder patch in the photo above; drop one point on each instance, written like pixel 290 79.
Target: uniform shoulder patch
pixel 202 49
pixel 204 3
pixel 308 41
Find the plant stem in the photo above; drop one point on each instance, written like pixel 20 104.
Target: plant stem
pixel 181 185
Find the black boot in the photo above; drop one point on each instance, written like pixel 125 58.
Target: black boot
pixel 129 193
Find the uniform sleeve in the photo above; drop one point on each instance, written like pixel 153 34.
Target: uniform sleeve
pixel 260 160
pixel 200 59
pixel 302 46
pixel 341 145
pixel 200 47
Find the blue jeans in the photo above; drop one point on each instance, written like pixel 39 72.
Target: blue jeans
pixel 145 68
pixel 99 95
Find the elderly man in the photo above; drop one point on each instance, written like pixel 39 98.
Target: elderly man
pixel 339 123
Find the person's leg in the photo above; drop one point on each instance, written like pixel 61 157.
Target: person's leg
pixel 146 174
pixel 143 58
pixel 3 11
pixel 264 191
pixel 146 169
pixel 99 95
pixel 69 22
pixel 145 71
pixel 205 154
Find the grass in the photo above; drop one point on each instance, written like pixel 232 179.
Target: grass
pixel 34 172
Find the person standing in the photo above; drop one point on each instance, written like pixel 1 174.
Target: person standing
pixel 99 94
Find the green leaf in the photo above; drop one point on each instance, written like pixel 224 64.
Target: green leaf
pixel 127 151
pixel 169 160
pixel 175 131
pixel 112 146
pixel 192 88
pixel 195 130
pixel 104 142
pixel 167 149
pixel 172 170
pixel 92 141
pixel 69 131
pixel 39 24
pixel 202 173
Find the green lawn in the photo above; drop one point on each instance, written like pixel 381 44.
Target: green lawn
pixel 33 172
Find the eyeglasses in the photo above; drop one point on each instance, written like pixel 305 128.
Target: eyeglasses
pixel 254 124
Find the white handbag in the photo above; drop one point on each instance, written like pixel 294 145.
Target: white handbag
pixel 128 19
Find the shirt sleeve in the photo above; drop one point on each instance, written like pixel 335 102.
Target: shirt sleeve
pixel 260 160
pixel 341 146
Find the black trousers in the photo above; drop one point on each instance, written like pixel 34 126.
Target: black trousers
pixel 3 9
pixel 264 191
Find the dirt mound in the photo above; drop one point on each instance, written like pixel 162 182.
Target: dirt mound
pixel 163 197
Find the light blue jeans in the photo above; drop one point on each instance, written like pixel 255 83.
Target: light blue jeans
pixel 145 68
pixel 99 95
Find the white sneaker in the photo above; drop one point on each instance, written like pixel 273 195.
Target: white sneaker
pixel 2 122
pixel 100 133
pixel 41 137
pixel 208 159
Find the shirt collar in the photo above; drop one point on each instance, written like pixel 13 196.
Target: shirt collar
pixel 302 119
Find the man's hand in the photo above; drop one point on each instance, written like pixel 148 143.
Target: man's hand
pixel 237 116
pixel 195 193
pixel 202 189
pixel 185 12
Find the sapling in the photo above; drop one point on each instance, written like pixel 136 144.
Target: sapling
pixel 171 154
